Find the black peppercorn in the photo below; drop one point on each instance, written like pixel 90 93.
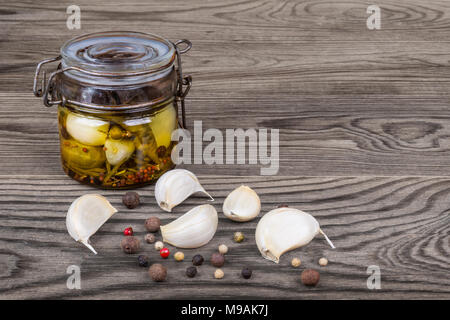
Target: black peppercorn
pixel 130 244
pixel 143 261
pixel 197 260
pixel 131 199
pixel 246 273
pixel 191 272
pixel 217 260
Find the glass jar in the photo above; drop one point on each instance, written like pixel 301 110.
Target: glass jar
pixel 118 95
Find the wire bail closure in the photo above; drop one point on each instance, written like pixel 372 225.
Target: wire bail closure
pixel 47 91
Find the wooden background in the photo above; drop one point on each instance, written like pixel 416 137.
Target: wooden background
pixel 364 119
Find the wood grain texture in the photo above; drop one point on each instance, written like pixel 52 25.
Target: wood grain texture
pixel 399 224
pixel 364 146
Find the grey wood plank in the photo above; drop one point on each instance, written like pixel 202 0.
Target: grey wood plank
pixel 399 224
pixel 318 136
pixel 364 146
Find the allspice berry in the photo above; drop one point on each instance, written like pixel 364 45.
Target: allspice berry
pixel 217 259
pixel 197 260
pixel 191 272
pixel 310 277
pixel 157 272
pixel 150 238
pixel 152 224
pixel 131 199
pixel 238 237
pixel 130 244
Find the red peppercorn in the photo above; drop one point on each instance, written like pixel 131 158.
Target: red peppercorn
pixel 85 150
pixel 164 252
pixel 128 231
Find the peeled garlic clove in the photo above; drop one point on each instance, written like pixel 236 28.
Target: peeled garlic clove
pixel 175 186
pixel 163 123
pixel 242 204
pixel 89 131
pixel 117 151
pixel 285 229
pixel 91 157
pixel 193 229
pixel 86 215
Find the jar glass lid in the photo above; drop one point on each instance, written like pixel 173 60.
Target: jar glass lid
pixel 118 53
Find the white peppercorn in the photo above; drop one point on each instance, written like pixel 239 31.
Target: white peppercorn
pixel 218 274
pixel 159 245
pixel 323 262
pixel 223 249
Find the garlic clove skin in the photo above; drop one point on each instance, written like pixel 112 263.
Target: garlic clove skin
pixel 88 131
pixel 193 229
pixel 242 204
pixel 175 186
pixel 86 215
pixel 285 229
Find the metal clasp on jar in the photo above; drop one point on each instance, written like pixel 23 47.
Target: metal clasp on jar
pixel 182 81
pixel 51 97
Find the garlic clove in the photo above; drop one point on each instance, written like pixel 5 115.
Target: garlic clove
pixel 163 123
pixel 242 204
pixel 94 157
pixel 175 186
pixel 193 229
pixel 118 151
pixel 89 131
pixel 86 215
pixel 285 229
